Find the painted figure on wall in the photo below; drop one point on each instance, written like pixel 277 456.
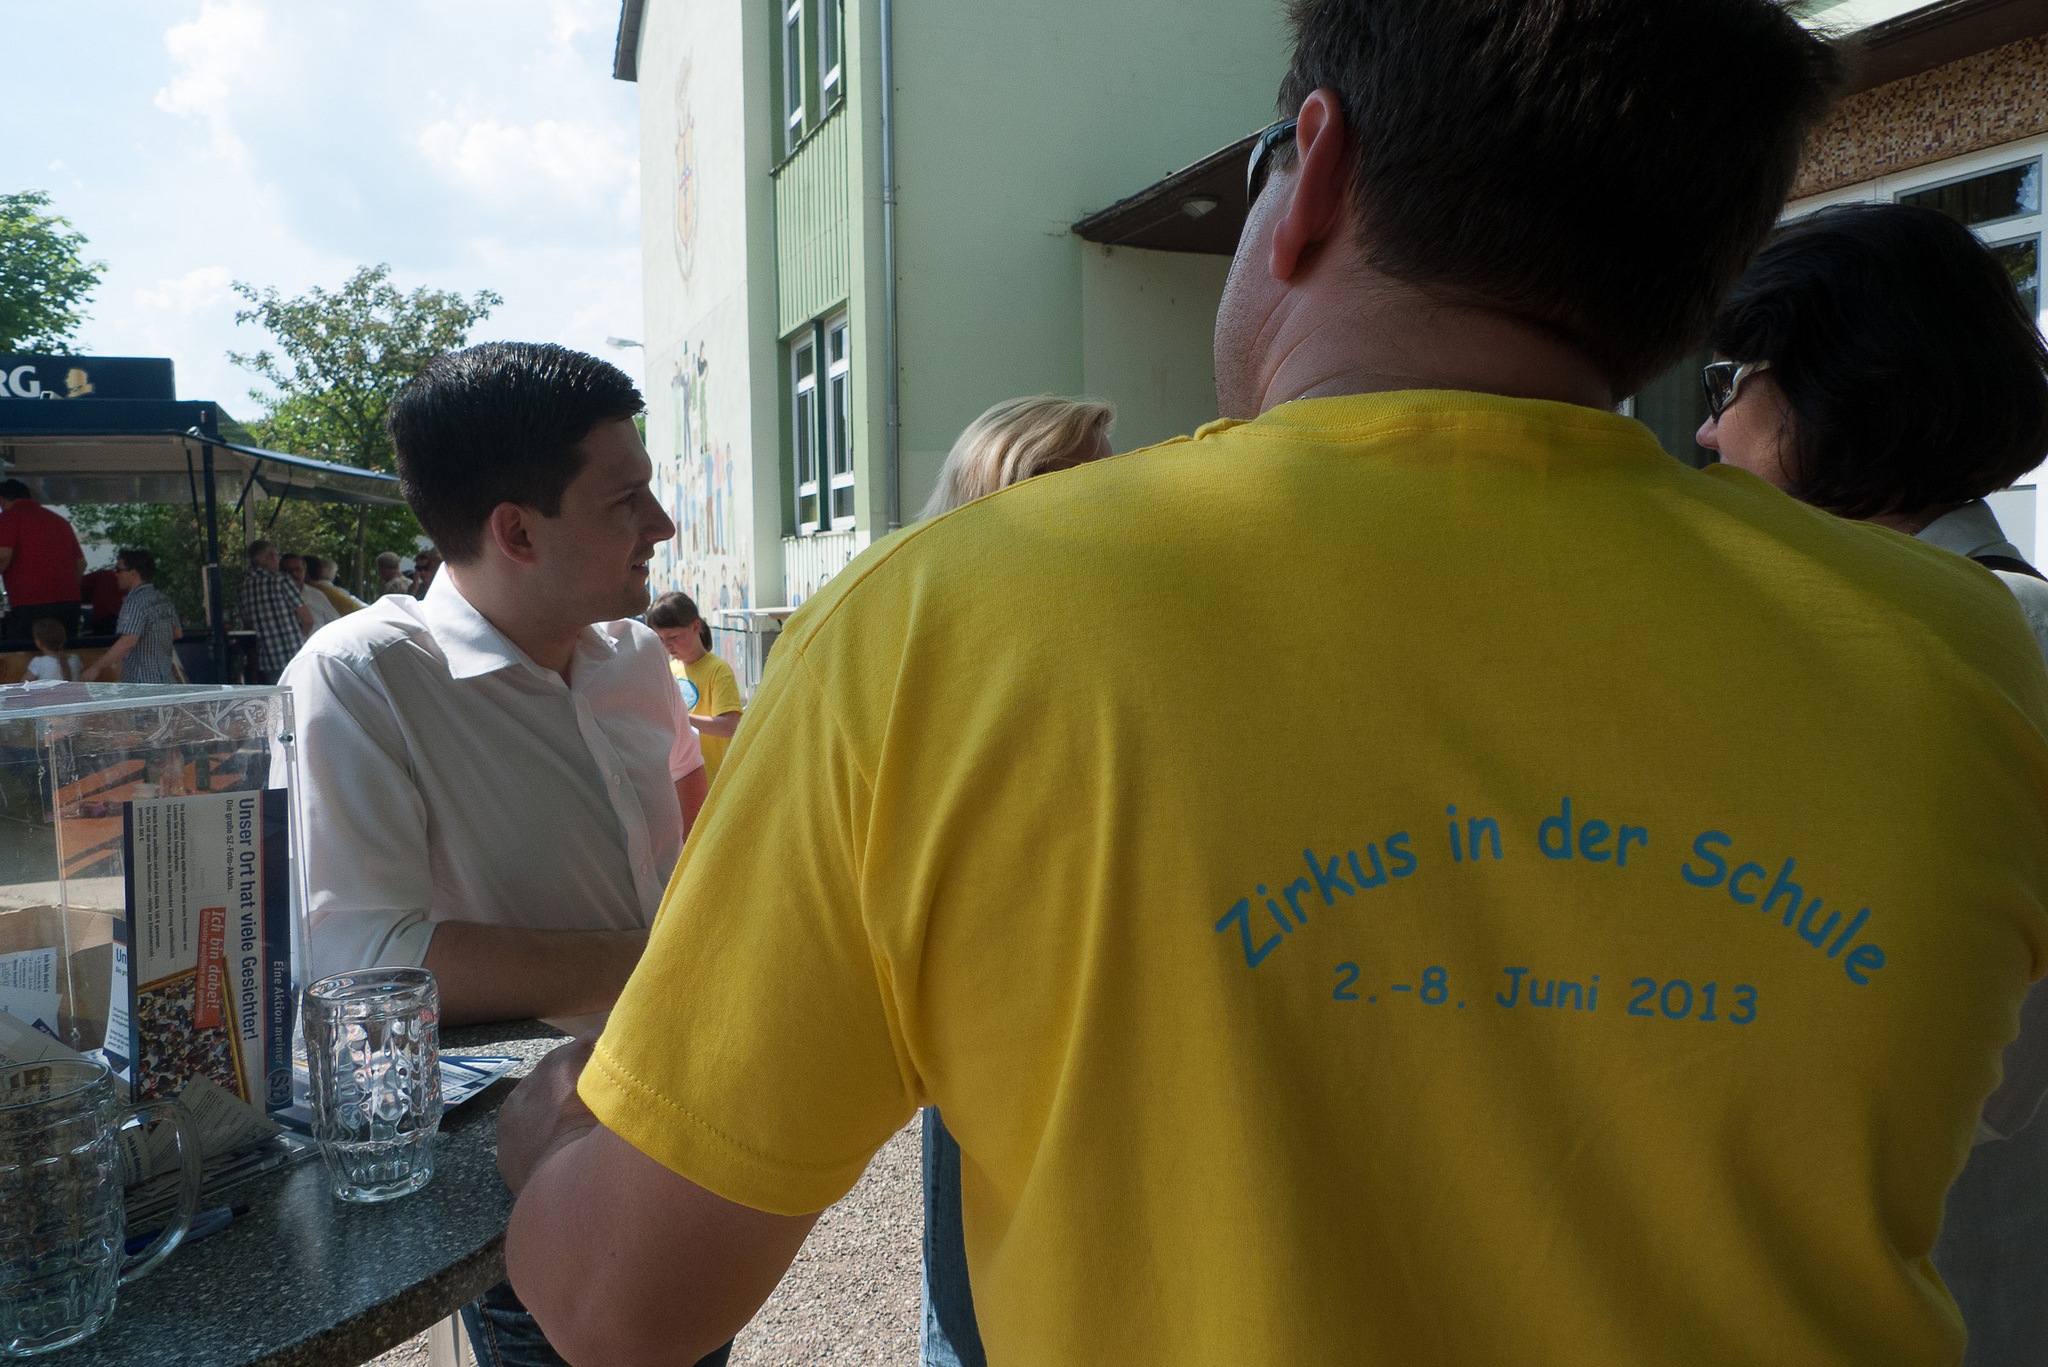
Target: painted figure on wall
pixel 687 189
pixel 709 543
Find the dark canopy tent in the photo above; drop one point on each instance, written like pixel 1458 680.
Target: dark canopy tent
pixel 149 451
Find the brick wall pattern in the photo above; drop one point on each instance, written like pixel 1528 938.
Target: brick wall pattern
pixel 1995 97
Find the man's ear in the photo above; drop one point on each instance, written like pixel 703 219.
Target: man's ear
pixel 511 531
pixel 1317 191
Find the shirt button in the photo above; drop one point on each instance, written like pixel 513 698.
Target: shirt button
pixel 615 780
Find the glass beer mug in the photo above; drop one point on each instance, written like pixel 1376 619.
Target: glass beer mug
pixel 62 1224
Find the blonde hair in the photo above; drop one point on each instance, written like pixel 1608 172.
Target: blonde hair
pixel 1015 440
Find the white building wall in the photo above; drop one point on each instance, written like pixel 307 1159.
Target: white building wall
pixel 694 247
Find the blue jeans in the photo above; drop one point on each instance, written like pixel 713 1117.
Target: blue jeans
pixel 951 1337
pixel 502 1334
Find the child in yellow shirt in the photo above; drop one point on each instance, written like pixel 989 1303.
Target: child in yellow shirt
pixel 711 695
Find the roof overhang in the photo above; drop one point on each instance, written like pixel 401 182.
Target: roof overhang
pixel 141 451
pixel 1935 35
pixel 1199 208
pixel 1202 208
pixel 626 53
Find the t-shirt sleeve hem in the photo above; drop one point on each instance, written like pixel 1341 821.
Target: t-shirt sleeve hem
pixel 691 1148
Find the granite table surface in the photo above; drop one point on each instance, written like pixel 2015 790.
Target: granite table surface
pixel 304 1280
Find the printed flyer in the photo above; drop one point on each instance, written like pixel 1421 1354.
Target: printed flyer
pixel 209 945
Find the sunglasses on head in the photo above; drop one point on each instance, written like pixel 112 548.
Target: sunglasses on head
pixel 1261 165
pixel 1723 382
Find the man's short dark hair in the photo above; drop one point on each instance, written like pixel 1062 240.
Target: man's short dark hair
pixel 14 488
pixel 499 423
pixel 1916 376
pixel 140 561
pixel 257 548
pixel 1601 168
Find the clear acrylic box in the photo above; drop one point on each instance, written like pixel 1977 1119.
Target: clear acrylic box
pixel 71 756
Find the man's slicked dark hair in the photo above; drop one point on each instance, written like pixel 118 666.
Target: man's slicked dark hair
pixel 1601 168
pixel 499 423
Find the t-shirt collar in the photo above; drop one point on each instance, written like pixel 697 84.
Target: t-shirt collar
pixel 1970 530
pixel 473 647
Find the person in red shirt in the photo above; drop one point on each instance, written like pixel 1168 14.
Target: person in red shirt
pixel 103 592
pixel 40 563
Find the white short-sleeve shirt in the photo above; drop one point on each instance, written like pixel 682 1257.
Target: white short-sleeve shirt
pixel 445 776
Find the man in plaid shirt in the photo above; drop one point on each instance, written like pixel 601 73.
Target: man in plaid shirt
pixel 272 608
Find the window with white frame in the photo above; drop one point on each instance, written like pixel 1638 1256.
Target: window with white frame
pixel 821 426
pixel 830 18
pixel 2003 207
pixel 803 365
pixel 793 72
pixel 839 419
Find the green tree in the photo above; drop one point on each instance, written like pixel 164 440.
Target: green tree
pixel 340 358
pixel 44 281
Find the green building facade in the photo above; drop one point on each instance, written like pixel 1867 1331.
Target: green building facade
pixel 784 440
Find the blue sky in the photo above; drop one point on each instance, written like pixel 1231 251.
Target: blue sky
pixel 472 144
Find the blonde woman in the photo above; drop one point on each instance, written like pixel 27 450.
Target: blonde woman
pixel 1007 445
pixel 1017 439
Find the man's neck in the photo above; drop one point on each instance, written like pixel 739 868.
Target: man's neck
pixel 1382 336
pixel 549 642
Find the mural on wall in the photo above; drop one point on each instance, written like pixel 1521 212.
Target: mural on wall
pixel 687 189
pixel 710 544
pixel 701 480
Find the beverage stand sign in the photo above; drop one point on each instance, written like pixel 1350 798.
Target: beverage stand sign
pixel 209 945
pixel 86 377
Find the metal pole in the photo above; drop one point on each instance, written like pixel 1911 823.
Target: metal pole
pixel 894 409
pixel 216 611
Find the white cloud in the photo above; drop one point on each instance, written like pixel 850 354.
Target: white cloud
pixel 228 40
pixel 571 17
pixel 589 167
pixel 188 293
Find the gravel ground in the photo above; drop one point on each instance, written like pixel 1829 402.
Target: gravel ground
pixel 851 1297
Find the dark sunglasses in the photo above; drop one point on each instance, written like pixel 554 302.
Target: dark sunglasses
pixel 1723 383
pixel 1262 153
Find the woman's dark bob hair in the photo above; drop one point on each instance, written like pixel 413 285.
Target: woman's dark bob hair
pixel 1915 376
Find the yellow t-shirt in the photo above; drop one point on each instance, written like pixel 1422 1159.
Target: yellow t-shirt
pixel 1265 1054
pixel 709 690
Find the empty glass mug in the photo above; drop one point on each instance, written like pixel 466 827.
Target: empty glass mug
pixel 374 1068
pixel 62 1224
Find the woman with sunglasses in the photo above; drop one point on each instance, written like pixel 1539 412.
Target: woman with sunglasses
pixel 1877 362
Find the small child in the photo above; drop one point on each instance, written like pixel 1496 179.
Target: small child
pixel 52 665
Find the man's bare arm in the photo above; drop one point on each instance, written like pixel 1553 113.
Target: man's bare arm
pixel 500 973
pixel 724 724
pixel 110 659
pixel 690 791
pixel 619 1259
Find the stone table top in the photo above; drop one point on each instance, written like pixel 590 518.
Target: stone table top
pixel 304 1280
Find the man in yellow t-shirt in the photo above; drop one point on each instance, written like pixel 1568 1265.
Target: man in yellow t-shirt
pixel 1605 956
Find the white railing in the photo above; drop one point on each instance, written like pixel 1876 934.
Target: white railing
pixel 809 561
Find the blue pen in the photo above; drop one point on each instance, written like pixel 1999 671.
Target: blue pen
pixel 204 1223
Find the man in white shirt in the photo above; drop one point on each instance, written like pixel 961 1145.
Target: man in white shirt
pixel 496 780
pixel 294 567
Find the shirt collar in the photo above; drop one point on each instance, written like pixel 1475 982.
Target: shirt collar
pixel 473 647
pixel 1970 530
